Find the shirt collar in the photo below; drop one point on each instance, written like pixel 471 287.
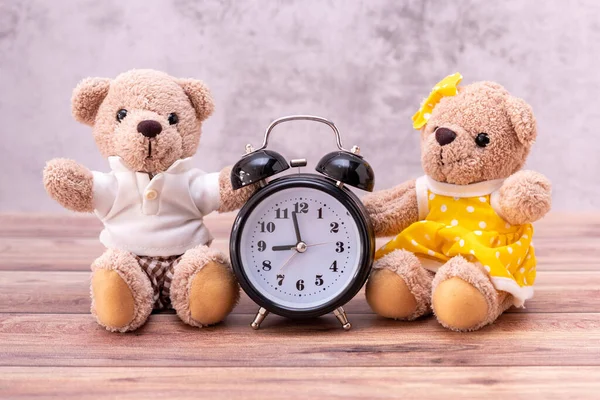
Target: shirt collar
pixel 472 190
pixel 180 166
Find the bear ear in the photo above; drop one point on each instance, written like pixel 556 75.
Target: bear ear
pixel 87 97
pixel 494 85
pixel 199 95
pixel 522 119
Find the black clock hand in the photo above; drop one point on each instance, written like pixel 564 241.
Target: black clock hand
pixel 281 248
pixel 296 228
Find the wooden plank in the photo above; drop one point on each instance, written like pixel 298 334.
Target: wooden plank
pixel 49 225
pixel 564 242
pixel 76 254
pixel 515 339
pixel 571 224
pixel 81 225
pixel 58 254
pixel 68 292
pixel 301 383
pixel 557 225
pixel 49 254
pixel 51 346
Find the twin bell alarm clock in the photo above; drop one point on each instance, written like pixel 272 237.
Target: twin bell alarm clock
pixel 302 246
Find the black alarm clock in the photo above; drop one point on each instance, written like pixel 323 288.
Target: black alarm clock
pixel 303 245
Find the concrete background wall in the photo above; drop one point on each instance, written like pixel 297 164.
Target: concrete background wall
pixel 366 64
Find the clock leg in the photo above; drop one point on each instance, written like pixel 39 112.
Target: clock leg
pixel 260 317
pixel 340 314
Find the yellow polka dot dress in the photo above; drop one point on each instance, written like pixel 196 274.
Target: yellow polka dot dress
pixel 461 220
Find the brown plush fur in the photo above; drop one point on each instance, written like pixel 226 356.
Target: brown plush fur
pixel 478 108
pixel 146 95
pixel 409 296
pixel 70 184
pixel 107 294
pixel 393 209
pixel 215 280
pixel 460 288
pixel 87 97
pixel 525 197
pixel 189 302
pixel 454 298
pixel 232 200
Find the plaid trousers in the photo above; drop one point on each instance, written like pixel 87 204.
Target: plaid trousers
pixel 160 272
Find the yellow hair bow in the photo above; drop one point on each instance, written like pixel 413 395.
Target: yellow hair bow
pixel 445 87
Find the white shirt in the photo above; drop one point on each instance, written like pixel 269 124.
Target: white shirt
pixel 155 217
pixel 426 183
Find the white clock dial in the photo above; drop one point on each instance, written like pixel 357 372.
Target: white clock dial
pixel 306 273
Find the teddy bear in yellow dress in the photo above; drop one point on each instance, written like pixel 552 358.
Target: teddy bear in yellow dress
pixel 463 246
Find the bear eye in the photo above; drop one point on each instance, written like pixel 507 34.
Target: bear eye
pixel 173 119
pixel 121 114
pixel 482 140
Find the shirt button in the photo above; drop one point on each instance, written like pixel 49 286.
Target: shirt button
pixel 151 194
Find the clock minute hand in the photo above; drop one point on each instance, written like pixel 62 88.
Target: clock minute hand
pixel 296 228
pixel 286 247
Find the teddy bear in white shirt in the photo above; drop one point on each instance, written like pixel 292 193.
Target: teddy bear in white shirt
pixel 152 203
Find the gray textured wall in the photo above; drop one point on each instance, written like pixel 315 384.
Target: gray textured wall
pixel 365 64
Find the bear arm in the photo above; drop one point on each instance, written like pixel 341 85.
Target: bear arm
pixel 524 197
pixel 232 199
pixel 70 184
pixel 393 210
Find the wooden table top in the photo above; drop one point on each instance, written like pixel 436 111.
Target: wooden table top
pixel 50 345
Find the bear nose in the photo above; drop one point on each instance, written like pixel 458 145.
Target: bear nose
pixel 149 128
pixel 444 136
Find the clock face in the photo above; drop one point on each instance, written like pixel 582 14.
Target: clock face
pixel 300 248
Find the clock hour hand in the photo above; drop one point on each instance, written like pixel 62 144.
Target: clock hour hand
pixel 296 228
pixel 282 248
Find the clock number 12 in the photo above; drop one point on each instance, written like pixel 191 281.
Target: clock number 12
pixel 300 208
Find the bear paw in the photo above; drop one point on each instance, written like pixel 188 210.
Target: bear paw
pixel 204 289
pixel 464 298
pixel 399 287
pixel 121 292
pixel 525 197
